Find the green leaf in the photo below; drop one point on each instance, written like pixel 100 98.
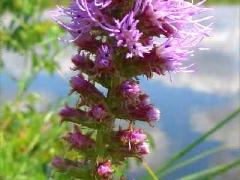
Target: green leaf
pixel 190 161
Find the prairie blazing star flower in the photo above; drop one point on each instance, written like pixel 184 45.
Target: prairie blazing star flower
pixel 118 41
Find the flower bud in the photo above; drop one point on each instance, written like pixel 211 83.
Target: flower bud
pixel 145 112
pixel 78 141
pixel 104 58
pixel 143 148
pixel 98 112
pixel 153 114
pixel 87 42
pixel 62 164
pixel 69 112
pixel 85 88
pixel 105 169
pixel 82 62
pixel 129 89
pixel 133 136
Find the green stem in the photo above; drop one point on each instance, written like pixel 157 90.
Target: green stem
pixel 190 147
pixel 212 172
pixel 149 170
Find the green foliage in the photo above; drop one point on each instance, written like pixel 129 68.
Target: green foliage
pixel 28 139
pixel 29 34
pixel 217 2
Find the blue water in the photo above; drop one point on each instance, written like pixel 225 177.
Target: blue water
pixel 189 105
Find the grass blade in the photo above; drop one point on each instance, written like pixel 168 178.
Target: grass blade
pixel 191 161
pixel 149 170
pixel 198 141
pixel 212 172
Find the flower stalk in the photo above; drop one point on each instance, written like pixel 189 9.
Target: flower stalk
pixel 116 42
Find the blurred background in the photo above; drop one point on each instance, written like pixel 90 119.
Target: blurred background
pixel 34 74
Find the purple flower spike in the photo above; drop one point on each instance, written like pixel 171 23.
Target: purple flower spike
pixel 130 89
pixel 118 41
pixel 129 36
pixel 98 112
pixel 78 141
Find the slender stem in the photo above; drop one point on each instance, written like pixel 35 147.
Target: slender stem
pixel 149 170
pixel 213 172
pixel 198 141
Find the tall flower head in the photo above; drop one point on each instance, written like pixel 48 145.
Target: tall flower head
pixel 118 41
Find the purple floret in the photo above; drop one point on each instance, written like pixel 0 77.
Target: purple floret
pixel 129 36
